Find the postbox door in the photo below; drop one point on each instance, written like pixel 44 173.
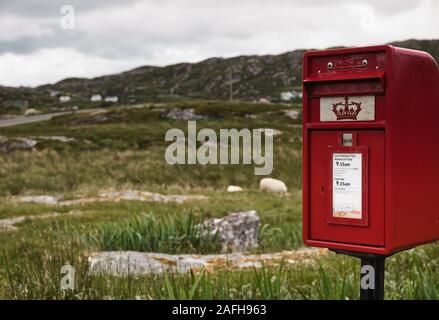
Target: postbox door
pixel 347 186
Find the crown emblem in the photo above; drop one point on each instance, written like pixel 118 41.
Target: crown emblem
pixel 346 110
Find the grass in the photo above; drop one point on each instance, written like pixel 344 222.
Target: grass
pixel 145 232
pixel 182 233
pixel 127 152
pixel 34 274
pixel 129 149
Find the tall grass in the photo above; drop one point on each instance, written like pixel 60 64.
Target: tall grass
pixel 280 237
pixel 183 233
pixel 172 233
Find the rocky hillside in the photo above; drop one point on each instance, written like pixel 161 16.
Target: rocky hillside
pixel 252 77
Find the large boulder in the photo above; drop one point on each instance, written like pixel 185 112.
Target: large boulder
pixel 272 185
pixel 124 263
pixel 236 232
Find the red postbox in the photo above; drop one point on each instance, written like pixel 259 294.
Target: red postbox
pixel 370 149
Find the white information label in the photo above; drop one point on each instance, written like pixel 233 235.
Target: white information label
pixel 347 185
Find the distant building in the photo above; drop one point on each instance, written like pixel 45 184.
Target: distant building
pixel 64 99
pixel 96 98
pixel 111 99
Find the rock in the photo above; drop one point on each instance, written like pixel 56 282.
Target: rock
pixel 272 185
pixel 234 189
pixel 148 196
pixel 184 114
pixel 31 112
pixel 10 144
pixel 112 196
pixel 39 199
pixel 122 263
pixel 236 232
pixel 8 224
pixel 54 138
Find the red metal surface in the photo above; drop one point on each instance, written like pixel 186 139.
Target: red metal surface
pixel 402 144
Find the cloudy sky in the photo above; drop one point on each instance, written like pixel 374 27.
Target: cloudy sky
pixel 43 41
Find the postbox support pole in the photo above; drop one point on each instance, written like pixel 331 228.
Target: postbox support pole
pixel 374 290
pixel 371 274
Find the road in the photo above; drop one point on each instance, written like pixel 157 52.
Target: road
pixel 40 117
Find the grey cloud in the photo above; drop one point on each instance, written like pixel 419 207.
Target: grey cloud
pixel 166 31
pixel 45 8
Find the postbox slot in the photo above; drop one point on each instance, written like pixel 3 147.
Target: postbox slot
pixel 346 84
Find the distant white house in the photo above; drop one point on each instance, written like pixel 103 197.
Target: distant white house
pixel 63 99
pixel 111 99
pixel 96 98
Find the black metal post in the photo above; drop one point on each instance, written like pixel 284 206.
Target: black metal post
pixel 375 290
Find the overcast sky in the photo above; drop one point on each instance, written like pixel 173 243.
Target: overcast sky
pixel 43 41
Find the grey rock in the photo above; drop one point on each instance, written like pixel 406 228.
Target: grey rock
pixel 11 144
pixel 236 232
pixel 43 199
pixel 111 196
pixel 9 224
pixel 54 138
pixel 184 114
pixel 123 263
